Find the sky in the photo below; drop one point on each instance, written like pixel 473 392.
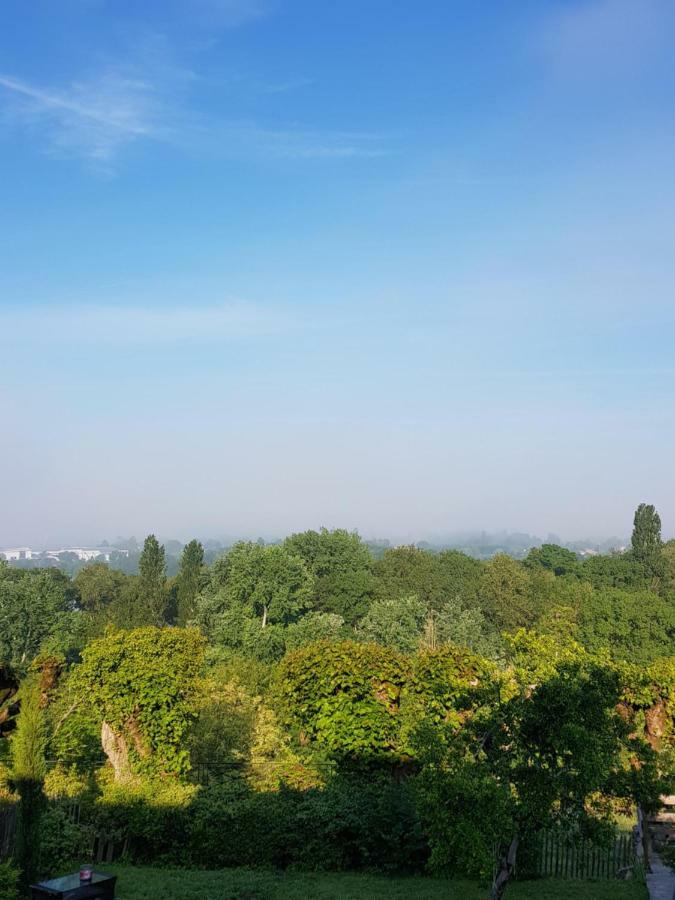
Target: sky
pixel 267 265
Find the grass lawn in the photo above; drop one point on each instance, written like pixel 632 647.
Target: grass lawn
pixel 136 883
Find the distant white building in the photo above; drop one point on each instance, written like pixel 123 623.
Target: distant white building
pixel 13 553
pixel 83 554
pixel 86 554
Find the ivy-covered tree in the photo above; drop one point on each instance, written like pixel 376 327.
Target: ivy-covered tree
pixel 363 702
pixel 445 687
pixel 141 684
pixel 345 697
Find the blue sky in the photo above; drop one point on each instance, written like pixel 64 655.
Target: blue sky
pixel 271 264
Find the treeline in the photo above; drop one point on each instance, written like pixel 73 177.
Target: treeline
pixel 259 601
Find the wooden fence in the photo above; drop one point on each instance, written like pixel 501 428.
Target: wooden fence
pixel 561 857
pixel 104 848
pixel 7 829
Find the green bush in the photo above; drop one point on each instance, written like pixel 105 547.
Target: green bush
pixel 9 882
pixel 62 840
pixel 229 828
pixel 365 822
pixel 149 815
pixel 355 822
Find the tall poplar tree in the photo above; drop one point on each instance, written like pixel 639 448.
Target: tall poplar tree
pixel 152 581
pixel 646 543
pixel 646 540
pixel 187 582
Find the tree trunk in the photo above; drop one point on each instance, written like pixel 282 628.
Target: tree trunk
pixel 264 618
pixel 115 748
pixel 131 727
pixel 506 866
pixel 644 838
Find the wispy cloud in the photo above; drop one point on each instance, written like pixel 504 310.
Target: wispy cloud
pixel 129 325
pixel 95 118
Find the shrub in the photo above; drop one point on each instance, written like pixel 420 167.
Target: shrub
pixel 356 822
pixel 149 815
pixel 62 840
pixel 360 822
pixel 9 882
pixel 229 827
pixel 63 783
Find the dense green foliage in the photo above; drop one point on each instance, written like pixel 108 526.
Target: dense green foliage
pixel 259 601
pixel 346 696
pixel 307 705
pixel 34 609
pixel 9 881
pixel 637 626
pixel 342 569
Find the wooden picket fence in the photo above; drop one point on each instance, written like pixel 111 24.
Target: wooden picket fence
pixel 562 857
pixel 7 829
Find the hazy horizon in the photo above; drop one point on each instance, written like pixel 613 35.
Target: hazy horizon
pixel 269 266
pixel 448 538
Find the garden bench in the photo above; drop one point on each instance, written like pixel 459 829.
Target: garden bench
pixel 70 887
